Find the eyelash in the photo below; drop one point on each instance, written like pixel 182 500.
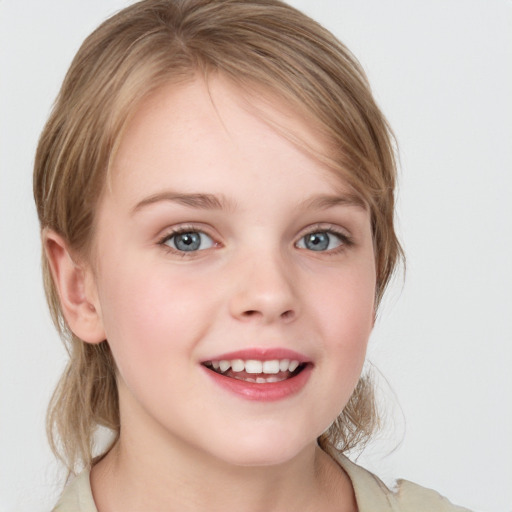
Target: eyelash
pixel 345 239
pixel 179 231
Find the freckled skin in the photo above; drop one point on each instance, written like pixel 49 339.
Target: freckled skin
pixel 256 285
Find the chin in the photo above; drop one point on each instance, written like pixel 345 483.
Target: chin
pixel 264 449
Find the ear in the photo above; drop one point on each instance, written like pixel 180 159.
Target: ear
pixel 76 286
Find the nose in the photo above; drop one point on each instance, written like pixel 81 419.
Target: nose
pixel 264 291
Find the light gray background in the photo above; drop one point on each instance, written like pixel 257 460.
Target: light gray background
pixel 441 70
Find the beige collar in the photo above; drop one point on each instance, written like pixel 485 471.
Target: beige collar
pixel 371 493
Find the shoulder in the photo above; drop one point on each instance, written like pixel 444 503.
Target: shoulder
pixel 372 494
pixel 413 497
pixel 77 496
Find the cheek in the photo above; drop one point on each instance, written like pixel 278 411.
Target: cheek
pixel 346 315
pixel 151 314
pixel 348 306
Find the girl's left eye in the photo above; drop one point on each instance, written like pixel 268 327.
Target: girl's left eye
pixel 321 241
pixel 189 241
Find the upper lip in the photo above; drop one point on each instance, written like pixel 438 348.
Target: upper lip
pixel 261 354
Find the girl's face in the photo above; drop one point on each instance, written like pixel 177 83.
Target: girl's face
pixel 234 276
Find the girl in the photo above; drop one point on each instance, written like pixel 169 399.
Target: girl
pixel 215 192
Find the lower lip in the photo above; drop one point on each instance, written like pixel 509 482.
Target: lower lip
pixel 267 392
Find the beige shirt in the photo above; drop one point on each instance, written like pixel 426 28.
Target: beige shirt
pixel 371 494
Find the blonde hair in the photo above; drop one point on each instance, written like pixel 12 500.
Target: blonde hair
pixel 263 43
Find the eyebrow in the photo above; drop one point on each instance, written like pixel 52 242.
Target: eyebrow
pixel 200 201
pixel 204 201
pixel 323 202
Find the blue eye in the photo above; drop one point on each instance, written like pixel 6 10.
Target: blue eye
pixel 321 241
pixel 189 241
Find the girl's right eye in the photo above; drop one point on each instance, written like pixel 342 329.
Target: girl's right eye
pixel 188 241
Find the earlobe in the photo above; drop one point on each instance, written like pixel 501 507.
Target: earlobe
pixel 76 288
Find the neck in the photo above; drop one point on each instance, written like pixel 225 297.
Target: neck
pixel 127 480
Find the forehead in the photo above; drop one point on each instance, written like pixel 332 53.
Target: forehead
pixel 201 125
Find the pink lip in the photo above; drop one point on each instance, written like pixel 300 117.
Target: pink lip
pixel 269 392
pixel 261 354
pixel 266 392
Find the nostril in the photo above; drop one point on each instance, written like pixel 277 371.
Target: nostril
pixel 287 315
pixel 252 313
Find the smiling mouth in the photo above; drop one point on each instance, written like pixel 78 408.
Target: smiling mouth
pixel 257 371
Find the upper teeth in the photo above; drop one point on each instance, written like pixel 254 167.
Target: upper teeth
pixel 256 366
